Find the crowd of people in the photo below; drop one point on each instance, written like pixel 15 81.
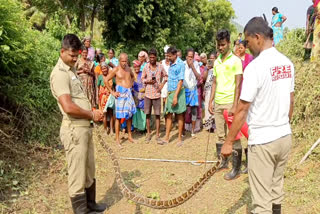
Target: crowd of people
pixel 214 93
pixel 153 86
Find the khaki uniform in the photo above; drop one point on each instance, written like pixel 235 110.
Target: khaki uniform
pixel 75 134
pixel 267 184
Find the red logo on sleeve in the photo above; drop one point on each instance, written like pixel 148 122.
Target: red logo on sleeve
pixel 281 72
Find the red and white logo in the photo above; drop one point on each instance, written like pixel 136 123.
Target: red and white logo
pixel 281 72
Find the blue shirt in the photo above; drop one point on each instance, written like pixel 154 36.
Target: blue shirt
pixel 176 73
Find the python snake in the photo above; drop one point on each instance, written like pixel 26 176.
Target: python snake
pixel 156 204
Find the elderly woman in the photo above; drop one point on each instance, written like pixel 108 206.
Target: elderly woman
pixel 143 58
pixel 87 44
pixel 104 94
pixel 139 118
pixel 85 68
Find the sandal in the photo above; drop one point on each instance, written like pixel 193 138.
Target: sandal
pixel 162 142
pixel 179 144
pixel 148 138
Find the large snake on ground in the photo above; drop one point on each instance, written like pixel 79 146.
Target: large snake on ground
pixel 156 204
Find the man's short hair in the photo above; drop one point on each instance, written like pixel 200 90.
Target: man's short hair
pixel 258 25
pixel 71 41
pixel 152 51
pixel 223 34
pixel 172 50
pixel 190 50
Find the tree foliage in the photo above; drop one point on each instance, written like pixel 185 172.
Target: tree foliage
pixel 132 25
pixel 26 59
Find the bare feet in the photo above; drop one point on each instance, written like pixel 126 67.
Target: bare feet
pixel 131 140
pixel 119 144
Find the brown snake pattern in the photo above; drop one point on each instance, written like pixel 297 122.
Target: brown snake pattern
pixel 156 204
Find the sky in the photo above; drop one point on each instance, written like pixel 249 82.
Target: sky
pixel 294 10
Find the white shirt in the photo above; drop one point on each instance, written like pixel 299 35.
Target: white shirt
pixel 267 83
pixel 164 91
pixel 190 80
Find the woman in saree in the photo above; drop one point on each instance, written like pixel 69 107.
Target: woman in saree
pixel 139 118
pixel 277 25
pixel 85 72
pixel 104 94
pixel 315 56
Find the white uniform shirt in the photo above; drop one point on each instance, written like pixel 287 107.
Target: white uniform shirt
pixel 267 84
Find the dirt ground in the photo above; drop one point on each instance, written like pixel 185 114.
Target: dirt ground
pixel 48 193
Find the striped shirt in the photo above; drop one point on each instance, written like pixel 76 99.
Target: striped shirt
pixel 152 90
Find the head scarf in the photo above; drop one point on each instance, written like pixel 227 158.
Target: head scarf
pixel 143 53
pixel 203 55
pixel 104 64
pixel 197 58
pixel 86 38
pixel 316 3
pixel 136 63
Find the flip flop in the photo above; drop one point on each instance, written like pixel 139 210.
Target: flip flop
pixel 148 138
pixel 179 144
pixel 162 142
pixel 158 139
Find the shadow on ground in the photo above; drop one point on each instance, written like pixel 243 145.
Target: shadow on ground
pixel 244 200
pixel 114 195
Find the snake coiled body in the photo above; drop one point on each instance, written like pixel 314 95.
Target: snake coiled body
pixel 156 204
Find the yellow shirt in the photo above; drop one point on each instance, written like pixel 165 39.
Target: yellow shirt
pixel 63 80
pixel 225 73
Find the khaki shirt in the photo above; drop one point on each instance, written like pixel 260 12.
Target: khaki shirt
pixel 63 80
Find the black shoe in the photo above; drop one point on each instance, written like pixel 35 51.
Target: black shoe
pixel 276 208
pixel 79 204
pixel 236 165
pixel 224 163
pixel 245 171
pixel 91 199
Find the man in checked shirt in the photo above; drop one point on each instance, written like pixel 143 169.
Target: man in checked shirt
pixel 154 78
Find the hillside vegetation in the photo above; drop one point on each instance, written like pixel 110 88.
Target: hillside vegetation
pixel 29 117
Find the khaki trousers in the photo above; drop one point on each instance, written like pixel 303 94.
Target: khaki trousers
pixel 221 125
pixel 266 166
pixel 79 148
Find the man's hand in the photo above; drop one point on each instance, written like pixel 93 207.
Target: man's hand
pixel 116 94
pixel 150 82
pixel 174 101
pixel 211 109
pixel 232 111
pixel 190 62
pixel 97 115
pixel 226 149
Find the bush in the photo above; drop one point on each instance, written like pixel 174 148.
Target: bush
pixel 27 57
pixel 292 44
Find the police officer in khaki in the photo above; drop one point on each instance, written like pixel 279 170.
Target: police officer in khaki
pixel 75 132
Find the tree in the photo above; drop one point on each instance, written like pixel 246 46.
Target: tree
pixel 132 25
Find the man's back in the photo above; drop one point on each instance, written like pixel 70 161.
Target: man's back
pixel 268 82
